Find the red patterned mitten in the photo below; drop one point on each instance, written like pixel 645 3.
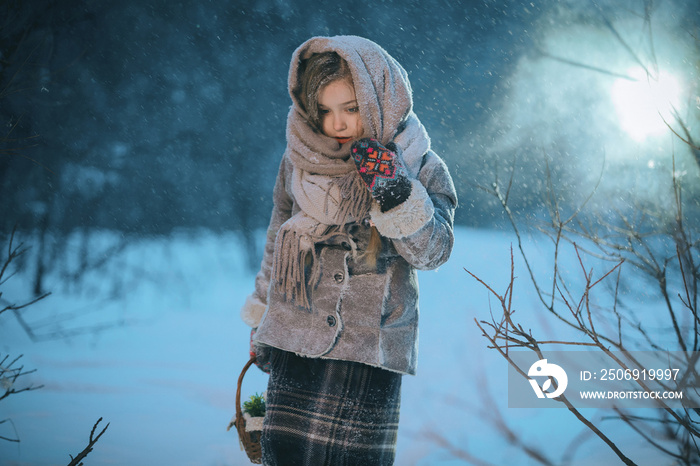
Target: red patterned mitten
pixel 382 171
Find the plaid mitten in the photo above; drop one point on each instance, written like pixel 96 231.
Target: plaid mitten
pixel 382 171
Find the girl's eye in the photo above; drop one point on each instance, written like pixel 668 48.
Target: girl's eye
pixel 354 109
pixel 323 111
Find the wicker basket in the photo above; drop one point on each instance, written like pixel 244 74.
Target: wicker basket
pixel 250 441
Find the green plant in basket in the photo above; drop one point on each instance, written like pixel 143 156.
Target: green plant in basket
pixel 255 406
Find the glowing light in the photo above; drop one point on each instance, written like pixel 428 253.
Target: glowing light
pixel 641 102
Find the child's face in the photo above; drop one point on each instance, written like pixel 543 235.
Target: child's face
pixel 340 114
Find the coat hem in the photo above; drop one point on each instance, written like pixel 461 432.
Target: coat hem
pixel 323 356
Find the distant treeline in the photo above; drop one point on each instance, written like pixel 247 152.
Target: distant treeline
pixel 148 116
pixel 144 117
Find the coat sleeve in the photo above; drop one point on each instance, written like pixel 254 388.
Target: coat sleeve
pixel 255 304
pixel 421 228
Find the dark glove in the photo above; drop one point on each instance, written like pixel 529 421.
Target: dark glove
pixel 382 171
pixel 261 353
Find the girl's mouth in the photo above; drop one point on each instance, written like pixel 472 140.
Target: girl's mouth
pixel 343 140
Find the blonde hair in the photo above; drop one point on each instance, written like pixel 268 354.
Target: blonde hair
pixel 315 73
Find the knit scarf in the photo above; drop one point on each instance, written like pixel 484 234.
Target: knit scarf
pixel 325 184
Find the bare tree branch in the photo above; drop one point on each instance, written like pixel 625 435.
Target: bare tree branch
pixel 9 374
pixel 91 443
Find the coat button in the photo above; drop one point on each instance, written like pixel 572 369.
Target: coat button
pixel 331 321
pixel 338 277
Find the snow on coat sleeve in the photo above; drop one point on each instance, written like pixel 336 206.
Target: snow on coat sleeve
pixel 254 307
pixel 422 227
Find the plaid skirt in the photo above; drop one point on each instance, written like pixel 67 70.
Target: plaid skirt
pixel 326 412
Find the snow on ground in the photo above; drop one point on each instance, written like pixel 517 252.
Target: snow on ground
pixel 164 377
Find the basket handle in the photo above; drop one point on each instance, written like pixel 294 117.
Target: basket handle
pixel 239 414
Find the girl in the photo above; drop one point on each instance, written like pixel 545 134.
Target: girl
pixel 360 203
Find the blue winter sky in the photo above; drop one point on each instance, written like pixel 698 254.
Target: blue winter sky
pixel 142 141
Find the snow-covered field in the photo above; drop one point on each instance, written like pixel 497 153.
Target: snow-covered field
pixel 165 376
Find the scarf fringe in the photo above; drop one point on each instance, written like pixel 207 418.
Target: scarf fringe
pixel 356 200
pixel 294 249
pixel 296 267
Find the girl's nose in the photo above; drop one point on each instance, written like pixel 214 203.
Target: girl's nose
pixel 339 123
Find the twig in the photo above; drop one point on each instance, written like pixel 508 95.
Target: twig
pixel 10 439
pixel 93 440
pixel 9 376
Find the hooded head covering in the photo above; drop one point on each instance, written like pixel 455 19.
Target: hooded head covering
pixel 325 182
pixel 384 96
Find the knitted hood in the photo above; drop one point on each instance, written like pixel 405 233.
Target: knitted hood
pixel 382 89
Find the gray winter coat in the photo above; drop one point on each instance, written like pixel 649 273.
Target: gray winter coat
pixel 360 312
